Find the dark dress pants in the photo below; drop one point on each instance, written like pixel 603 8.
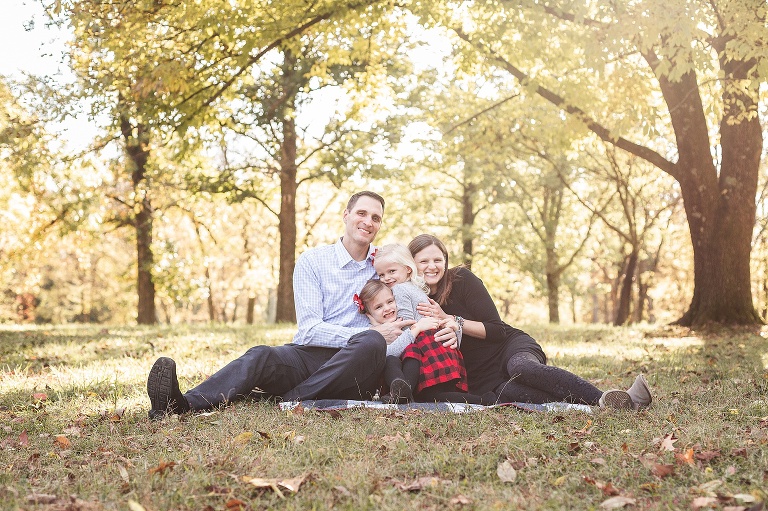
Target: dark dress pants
pixel 294 372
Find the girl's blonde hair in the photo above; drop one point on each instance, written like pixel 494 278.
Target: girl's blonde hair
pixel 400 254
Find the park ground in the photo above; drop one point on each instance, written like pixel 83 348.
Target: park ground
pixel 75 435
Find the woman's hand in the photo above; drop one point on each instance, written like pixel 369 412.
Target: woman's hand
pixel 431 309
pixel 447 336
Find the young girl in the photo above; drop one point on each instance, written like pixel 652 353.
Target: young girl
pixel 428 369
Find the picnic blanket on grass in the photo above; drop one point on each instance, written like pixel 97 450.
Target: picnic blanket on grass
pixel 345 404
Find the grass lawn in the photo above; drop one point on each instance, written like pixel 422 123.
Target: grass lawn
pixel 75 433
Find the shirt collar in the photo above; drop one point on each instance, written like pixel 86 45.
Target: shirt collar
pixel 343 258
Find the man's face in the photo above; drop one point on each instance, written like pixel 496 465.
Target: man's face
pixel 364 221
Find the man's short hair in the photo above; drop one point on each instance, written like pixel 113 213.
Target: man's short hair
pixel 364 193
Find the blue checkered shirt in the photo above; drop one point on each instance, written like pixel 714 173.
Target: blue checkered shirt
pixel 324 281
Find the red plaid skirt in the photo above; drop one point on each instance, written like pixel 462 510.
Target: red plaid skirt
pixel 438 363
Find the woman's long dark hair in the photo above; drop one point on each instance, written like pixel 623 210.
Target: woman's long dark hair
pixel 445 284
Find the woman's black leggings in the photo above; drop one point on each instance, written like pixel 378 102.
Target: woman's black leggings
pixel 530 381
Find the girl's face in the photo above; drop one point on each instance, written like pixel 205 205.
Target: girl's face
pixel 382 308
pixel 431 265
pixel 392 273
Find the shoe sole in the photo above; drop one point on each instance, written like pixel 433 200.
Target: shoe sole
pixel 159 385
pixel 616 399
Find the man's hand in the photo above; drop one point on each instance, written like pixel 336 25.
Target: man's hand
pixel 392 331
pixel 448 337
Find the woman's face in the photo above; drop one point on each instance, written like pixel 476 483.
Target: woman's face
pixel 430 264
pixel 382 307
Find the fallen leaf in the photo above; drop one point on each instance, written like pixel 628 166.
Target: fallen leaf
pixel 335 414
pixel 135 506
pixel 662 470
pixel 342 490
pixel 709 486
pixel 244 438
pixel 291 485
pixel 235 504
pixel 617 502
pixel 123 473
pixel 506 472
pixel 685 457
pixel 299 439
pixel 264 435
pixel 23 439
pixel 598 461
pixel 700 502
pixel 162 467
pixel 707 455
pixel 667 442
pixel 419 484
pixel 461 500
pixel 745 497
pixel 63 442
pixel 39 396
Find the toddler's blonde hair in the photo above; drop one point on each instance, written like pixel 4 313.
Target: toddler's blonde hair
pixel 397 253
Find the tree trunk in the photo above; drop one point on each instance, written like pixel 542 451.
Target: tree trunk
pixel 286 309
pixel 625 295
pixel 720 209
pixel 209 301
pixel 249 311
pixel 553 295
pixel 137 150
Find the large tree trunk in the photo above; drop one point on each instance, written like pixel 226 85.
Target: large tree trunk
pixel 286 309
pixel 625 295
pixel 137 149
pixel 720 209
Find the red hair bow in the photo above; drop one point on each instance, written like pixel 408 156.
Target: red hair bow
pixel 359 303
pixel 373 255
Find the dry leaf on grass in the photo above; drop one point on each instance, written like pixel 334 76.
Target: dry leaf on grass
pixel 244 437
pixel 617 502
pixel 420 483
pixel 235 504
pixel 460 500
pixel 135 506
pixel 62 442
pixel 662 470
pixel 23 439
pixel 506 472
pixel 700 502
pixel 162 467
pixel 274 484
pixel 667 443
pixel 123 473
pixel 685 457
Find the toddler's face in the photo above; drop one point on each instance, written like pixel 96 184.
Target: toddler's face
pixel 382 307
pixel 392 273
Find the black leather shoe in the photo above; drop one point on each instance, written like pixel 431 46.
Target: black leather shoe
pixel 163 390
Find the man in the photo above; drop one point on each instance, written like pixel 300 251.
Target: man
pixel 334 354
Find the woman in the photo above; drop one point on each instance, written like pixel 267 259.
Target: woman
pixel 500 358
